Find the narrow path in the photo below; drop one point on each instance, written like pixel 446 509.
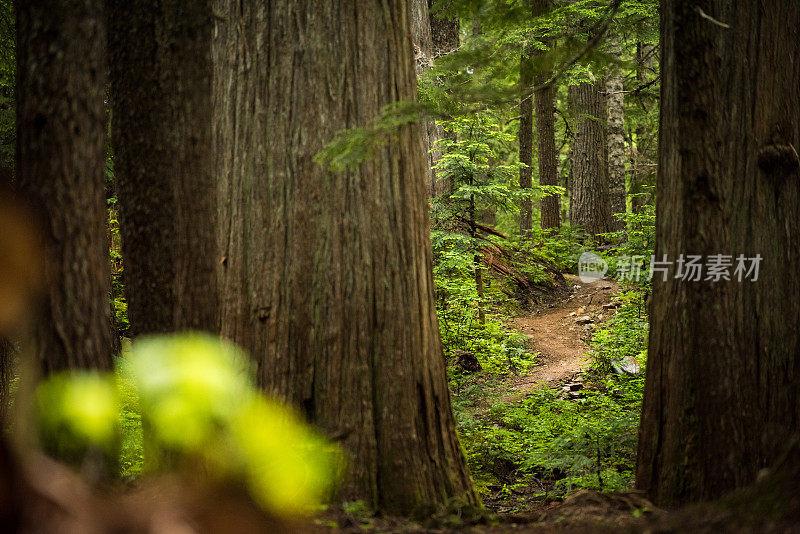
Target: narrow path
pixel 558 333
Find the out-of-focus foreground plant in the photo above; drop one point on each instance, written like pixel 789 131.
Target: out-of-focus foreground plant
pixel 188 402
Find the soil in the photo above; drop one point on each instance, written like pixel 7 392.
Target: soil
pixel 555 335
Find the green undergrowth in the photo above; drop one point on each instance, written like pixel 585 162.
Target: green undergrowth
pixel 546 445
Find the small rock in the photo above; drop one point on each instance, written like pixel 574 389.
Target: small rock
pixel 600 317
pixel 573 314
pixel 626 366
pixel 580 310
pixel 584 320
pixel 611 305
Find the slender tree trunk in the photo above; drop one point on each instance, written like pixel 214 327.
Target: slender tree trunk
pixel 644 146
pixel 548 166
pixel 589 204
pixel 61 62
pixel 328 276
pixel 721 397
pixel 423 60
pixel 431 37
pixel 525 140
pixel 544 101
pixel 616 134
pixel 162 128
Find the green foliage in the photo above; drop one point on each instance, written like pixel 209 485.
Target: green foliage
pixel 191 399
pixel 475 158
pixel 353 146
pixel 588 442
pixel 624 334
pixel 635 242
pixel 77 413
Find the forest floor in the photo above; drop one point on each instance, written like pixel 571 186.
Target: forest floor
pixel 558 334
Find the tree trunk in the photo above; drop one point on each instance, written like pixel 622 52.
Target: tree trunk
pixel 525 140
pixel 61 62
pixel 162 128
pixel 721 397
pixel 644 147
pixel 423 60
pixel 616 134
pixel 444 31
pixel 431 37
pixel 544 101
pixel 589 204
pixel 548 166
pixel 328 276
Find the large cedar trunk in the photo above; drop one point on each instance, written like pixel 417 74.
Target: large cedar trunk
pixel 616 134
pixel 721 397
pixel 162 127
pixel 61 62
pixel 589 204
pixel 328 276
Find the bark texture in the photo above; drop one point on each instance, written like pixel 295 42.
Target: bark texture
pixel 526 140
pixel 328 276
pixel 544 102
pixel 548 163
pixel 431 38
pixel 616 133
pixel 423 60
pixel 61 61
pixel 589 203
pixel 721 397
pixel 444 30
pixel 162 128
pixel 644 146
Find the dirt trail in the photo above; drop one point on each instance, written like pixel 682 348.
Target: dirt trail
pixel 556 333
